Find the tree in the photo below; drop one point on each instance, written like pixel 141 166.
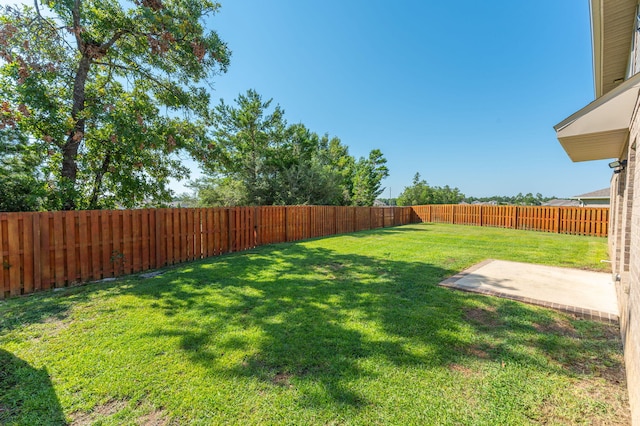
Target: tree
pixel 20 188
pixel 367 180
pixel 108 90
pixel 446 195
pixel 420 193
pixel 224 192
pixel 270 162
pixel 338 159
pixel 519 199
pixel 244 138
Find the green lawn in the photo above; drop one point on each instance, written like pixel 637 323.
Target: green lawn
pixel 351 329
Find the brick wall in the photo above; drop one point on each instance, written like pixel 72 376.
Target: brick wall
pixel 625 254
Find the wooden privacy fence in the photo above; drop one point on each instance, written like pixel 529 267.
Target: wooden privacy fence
pixel 593 221
pixel 44 250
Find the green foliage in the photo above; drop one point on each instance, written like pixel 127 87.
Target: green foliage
pixel 107 92
pixel 420 193
pixel 519 200
pixel 367 180
pixel 224 192
pixel 21 188
pixel 266 161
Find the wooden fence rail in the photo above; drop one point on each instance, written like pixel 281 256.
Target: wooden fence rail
pixel 45 250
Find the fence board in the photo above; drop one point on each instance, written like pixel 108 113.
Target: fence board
pixel 70 246
pixel 136 235
pixel 183 227
pixel 37 256
pixel 84 244
pixel 96 244
pixel 28 253
pixel 145 243
pixel 173 232
pixel 58 249
pixel 117 254
pixel 106 226
pixel 13 244
pixel 189 237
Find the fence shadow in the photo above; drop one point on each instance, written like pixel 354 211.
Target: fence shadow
pixel 46 306
pixel 27 395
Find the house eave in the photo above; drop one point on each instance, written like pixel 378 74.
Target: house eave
pixel 612 25
pixel 600 130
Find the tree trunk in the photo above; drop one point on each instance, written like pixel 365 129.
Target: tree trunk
pixel 70 150
pixel 97 183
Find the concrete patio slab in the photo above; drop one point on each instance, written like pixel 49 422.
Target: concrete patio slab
pixel 587 294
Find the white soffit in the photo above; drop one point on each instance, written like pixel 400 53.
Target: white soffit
pixel 600 129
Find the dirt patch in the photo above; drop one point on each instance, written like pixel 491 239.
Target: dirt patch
pixel 481 352
pixel 465 371
pixel 329 269
pixel 614 397
pixel 334 266
pixel 107 409
pixel 282 379
pixel 611 332
pixel 484 316
pixel 56 324
pixel 558 326
pixel 616 374
pixel 154 418
pixel 612 371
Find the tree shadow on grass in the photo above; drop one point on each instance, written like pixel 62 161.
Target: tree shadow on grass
pixel 314 320
pixel 313 316
pixel 26 394
pixel 47 306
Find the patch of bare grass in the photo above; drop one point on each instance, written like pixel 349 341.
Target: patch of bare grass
pixel 107 409
pixel 562 327
pixel 465 371
pixel 480 351
pixel 487 317
pixel 282 379
pixel 156 417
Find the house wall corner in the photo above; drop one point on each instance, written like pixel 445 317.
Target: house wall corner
pixel 624 249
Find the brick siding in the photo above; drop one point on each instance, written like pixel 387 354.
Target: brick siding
pixel 624 246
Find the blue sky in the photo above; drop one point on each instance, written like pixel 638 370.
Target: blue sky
pixel 466 93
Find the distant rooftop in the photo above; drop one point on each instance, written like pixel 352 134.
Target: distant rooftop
pixel 562 203
pixel 595 195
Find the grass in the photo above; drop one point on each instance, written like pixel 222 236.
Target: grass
pixel 351 329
